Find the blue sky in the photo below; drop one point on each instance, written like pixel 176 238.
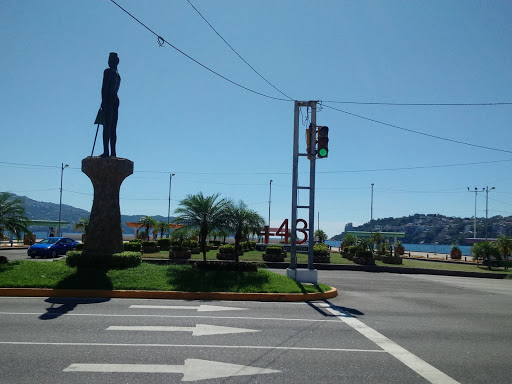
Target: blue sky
pixel 176 116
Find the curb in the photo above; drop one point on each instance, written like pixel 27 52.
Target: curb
pixel 170 295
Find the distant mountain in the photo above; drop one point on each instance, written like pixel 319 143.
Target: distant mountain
pixel 431 228
pixel 39 210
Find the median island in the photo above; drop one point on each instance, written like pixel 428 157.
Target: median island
pixel 58 275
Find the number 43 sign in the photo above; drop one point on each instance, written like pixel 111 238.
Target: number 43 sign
pixel 284 231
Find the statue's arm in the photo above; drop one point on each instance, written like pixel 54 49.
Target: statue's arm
pixel 106 87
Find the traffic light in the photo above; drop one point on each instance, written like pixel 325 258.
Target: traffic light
pixel 322 142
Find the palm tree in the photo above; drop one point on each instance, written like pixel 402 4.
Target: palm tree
pixel 147 222
pixel 12 215
pixel 486 251
pixel 162 227
pixel 349 240
pixel 377 238
pixel 504 244
pixel 205 213
pixel 243 221
pixel 320 235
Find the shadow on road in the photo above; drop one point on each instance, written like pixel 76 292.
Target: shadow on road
pixel 66 305
pixel 322 309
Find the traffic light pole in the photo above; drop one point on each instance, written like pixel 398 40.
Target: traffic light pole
pixel 310 275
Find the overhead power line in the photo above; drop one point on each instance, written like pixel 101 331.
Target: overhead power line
pixel 162 41
pixel 419 104
pixel 417 132
pixel 233 49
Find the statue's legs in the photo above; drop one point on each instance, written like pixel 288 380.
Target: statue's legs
pixel 109 132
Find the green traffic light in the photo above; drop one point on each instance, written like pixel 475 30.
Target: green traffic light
pixel 322 152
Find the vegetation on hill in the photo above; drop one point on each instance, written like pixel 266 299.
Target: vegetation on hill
pixel 431 228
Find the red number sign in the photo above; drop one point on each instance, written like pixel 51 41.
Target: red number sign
pixel 284 231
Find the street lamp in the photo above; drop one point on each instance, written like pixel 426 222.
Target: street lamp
pixel 169 207
pixel 269 201
pixel 474 223
pixel 487 209
pixel 62 166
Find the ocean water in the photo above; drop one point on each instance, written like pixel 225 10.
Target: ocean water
pixel 431 248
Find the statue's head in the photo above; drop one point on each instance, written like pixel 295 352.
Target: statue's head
pixel 113 60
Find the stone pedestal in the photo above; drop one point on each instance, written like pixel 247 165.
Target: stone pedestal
pixel 104 233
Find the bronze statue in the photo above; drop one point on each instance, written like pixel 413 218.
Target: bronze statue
pixel 110 104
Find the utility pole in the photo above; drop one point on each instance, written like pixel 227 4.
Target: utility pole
pixel 474 221
pixel 269 202
pixel 487 209
pixel 62 166
pixel 371 213
pixel 169 206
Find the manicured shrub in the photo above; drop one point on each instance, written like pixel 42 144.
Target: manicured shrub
pixel 136 241
pixel 320 249
pixel 164 244
pixel 275 249
pixel 149 244
pixel 132 246
pixel 3 260
pixel 103 260
pixel 79 246
pixel 227 248
pixel 226 266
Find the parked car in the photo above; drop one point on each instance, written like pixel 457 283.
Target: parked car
pixel 52 247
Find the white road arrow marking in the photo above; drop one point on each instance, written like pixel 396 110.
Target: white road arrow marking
pixel 200 308
pixel 192 370
pixel 198 330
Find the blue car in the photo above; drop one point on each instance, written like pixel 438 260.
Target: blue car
pixel 52 247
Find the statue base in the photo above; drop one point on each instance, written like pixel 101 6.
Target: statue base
pixel 104 232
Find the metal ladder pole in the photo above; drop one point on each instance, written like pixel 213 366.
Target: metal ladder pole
pixel 295 174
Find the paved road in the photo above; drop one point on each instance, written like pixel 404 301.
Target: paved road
pixel 21 254
pixel 383 328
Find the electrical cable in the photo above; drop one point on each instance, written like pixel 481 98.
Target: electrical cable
pixel 418 132
pixel 162 41
pixel 419 104
pixel 233 49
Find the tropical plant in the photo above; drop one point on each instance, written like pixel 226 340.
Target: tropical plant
pixel 364 244
pixel 12 215
pixel 487 252
pixel 82 225
pixel 147 222
pixel 504 244
pixel 349 240
pixel 377 238
pixel 320 235
pixel 243 221
pixel 161 227
pixel 205 213
pixel 455 252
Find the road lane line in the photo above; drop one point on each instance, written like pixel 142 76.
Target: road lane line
pixel 123 345
pixel 57 314
pixel 421 367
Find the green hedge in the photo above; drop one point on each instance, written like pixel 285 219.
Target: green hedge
pixel 274 249
pixel 103 260
pixel 136 241
pixel 320 249
pixel 226 266
pixel 132 246
pixel 164 243
pixel 149 244
pixel 228 248
pixel 79 246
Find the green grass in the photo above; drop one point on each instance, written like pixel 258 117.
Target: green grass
pixel 337 259
pixel 29 274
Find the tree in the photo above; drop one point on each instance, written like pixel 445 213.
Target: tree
pixel 349 240
pixel 504 244
pixel 162 227
pixel 147 222
pixel 377 238
pixel 12 215
pixel 205 213
pixel 320 235
pixel 486 251
pixel 243 221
